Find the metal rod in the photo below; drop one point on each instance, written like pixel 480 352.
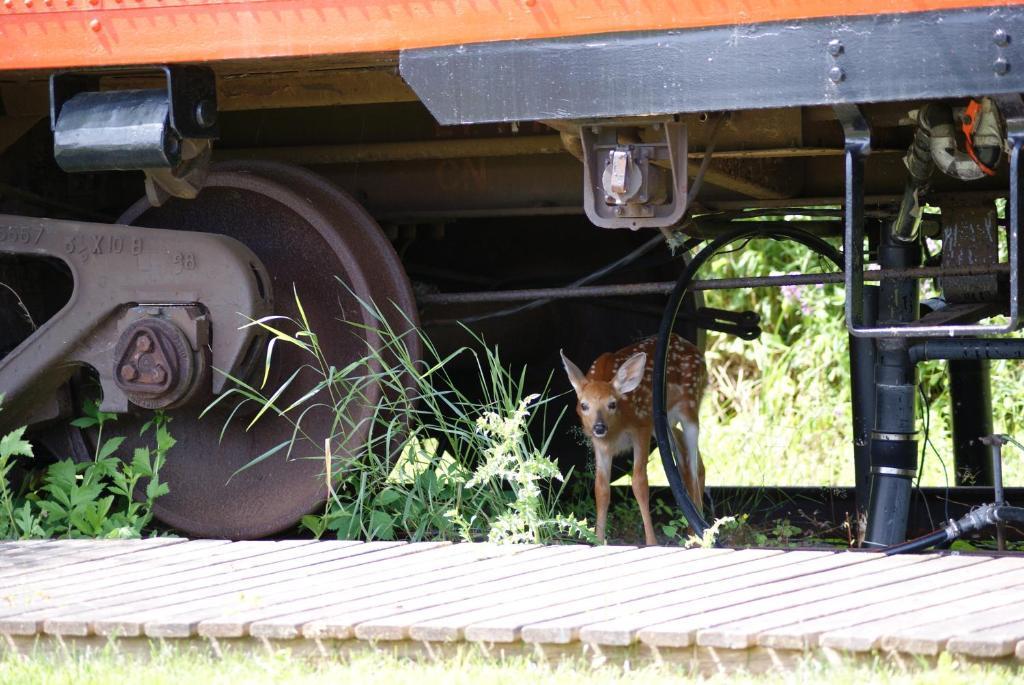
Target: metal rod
pixel 862 394
pixel 967 348
pixel 996 442
pixel 997 481
pixel 970 399
pixel 665 287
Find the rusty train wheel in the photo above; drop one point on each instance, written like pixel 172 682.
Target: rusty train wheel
pixel 306 232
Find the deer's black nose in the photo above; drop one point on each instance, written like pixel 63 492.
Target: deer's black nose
pixel 600 430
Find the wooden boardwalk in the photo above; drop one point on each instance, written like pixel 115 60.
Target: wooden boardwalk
pixel 714 608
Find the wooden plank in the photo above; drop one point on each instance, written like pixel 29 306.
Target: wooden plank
pixel 864 637
pixel 502 618
pixel 717 628
pixel 58 596
pixel 487 590
pixel 562 624
pixel 344 616
pixel 805 633
pixel 164 617
pixel 79 618
pixel 367 581
pixel 99 562
pixel 449 622
pixel 183 619
pixel 999 641
pixel 601 595
pixel 749 630
pixel 42 560
pixel 284 620
pixel 622 626
pixel 142 572
pixel 677 626
pixel 931 637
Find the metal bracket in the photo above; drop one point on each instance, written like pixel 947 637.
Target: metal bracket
pixel 744 325
pixel 857 147
pixel 193 277
pixel 634 184
pixel 191 92
pixel 166 132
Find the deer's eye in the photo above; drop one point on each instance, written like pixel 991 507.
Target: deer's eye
pixel 612 405
pixel 584 406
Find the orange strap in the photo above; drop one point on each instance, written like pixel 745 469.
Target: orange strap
pixel 971 116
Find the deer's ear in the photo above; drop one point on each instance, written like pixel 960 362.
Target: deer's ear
pixel 576 376
pixel 629 375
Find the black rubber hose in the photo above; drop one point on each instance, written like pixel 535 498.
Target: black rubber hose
pixel 1009 514
pixel 666 446
pixel 918 544
pixel 983 517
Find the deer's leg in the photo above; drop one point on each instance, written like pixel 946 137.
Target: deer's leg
pixel 641 488
pixel 602 490
pixel 689 462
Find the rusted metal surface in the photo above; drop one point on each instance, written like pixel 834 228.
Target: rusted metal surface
pixel 156 364
pixel 969 237
pixel 402 151
pixel 665 287
pixel 307 233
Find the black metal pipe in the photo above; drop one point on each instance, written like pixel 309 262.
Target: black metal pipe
pixel 970 399
pixel 967 348
pixel 893 441
pixel 862 391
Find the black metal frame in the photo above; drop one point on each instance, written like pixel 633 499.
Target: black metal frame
pixel 875 58
pixel 857 148
pixel 187 88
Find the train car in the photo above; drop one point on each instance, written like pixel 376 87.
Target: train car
pixel 169 166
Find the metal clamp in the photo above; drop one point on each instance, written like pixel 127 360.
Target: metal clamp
pixel 857 147
pixel 165 132
pixel 634 184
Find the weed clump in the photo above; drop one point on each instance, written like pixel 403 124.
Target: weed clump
pixel 104 498
pixel 430 462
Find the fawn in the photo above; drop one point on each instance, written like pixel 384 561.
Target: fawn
pixel 615 408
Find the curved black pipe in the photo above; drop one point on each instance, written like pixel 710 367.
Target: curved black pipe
pixel 666 446
pixel 936 537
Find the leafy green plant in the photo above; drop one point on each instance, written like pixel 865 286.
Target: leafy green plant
pixel 431 462
pixel 89 499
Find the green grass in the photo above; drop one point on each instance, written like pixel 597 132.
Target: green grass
pixel 168 666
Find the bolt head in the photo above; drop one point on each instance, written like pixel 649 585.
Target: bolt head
pixel 129 372
pixel 836 74
pixel 144 343
pixel 1001 66
pixel 159 375
pixel 1001 38
pixel 835 47
pixel 206 113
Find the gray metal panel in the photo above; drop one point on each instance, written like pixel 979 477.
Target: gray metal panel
pixel 876 58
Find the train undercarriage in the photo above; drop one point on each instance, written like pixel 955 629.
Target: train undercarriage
pixel 150 213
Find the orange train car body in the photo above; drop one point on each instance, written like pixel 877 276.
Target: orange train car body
pixel 55 34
